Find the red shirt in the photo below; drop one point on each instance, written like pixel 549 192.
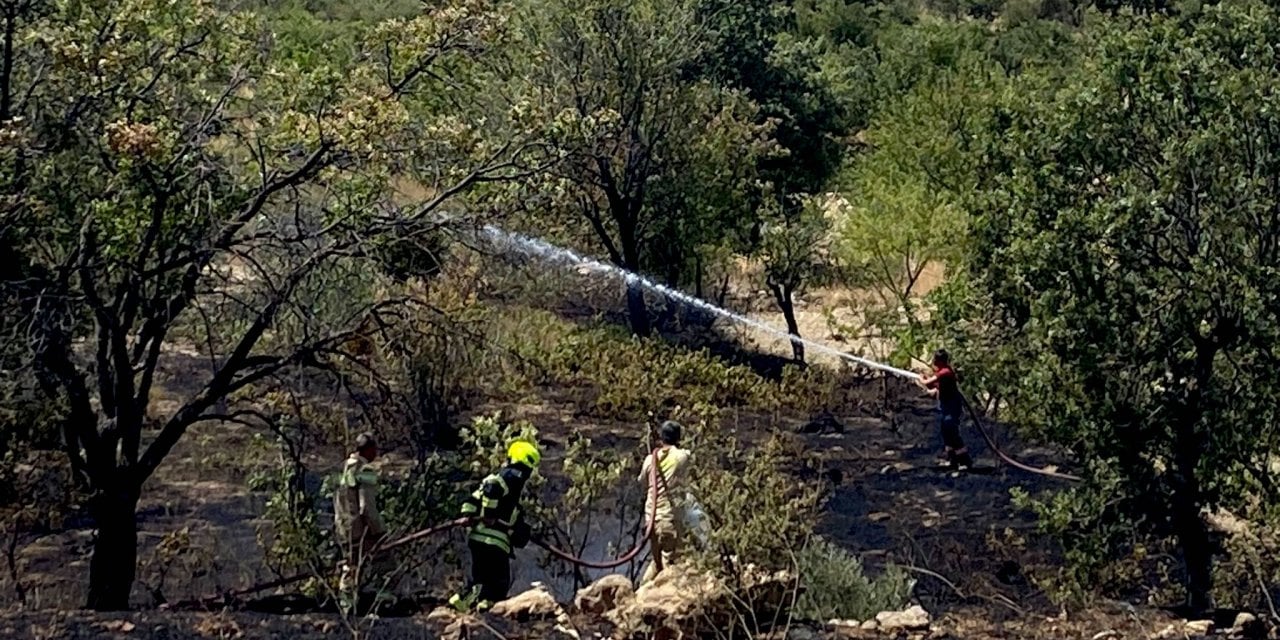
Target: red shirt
pixel 949 400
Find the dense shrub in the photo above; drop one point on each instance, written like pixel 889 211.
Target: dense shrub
pixel 759 513
pixel 836 586
pixel 626 378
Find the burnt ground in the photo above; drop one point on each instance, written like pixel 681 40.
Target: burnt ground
pixel 971 548
pixel 972 551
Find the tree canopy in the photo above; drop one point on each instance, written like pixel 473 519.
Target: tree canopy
pixel 163 166
pixel 1125 255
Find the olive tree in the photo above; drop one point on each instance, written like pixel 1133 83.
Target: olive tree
pixel 901 220
pixel 1126 239
pixel 653 162
pixel 794 248
pixel 169 184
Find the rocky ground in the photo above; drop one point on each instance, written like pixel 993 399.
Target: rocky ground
pixel 605 611
pixel 973 553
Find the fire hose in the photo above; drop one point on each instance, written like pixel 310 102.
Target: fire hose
pixel 654 477
pixel 973 415
pixel 429 532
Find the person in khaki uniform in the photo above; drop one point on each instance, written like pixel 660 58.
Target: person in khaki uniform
pixel 665 508
pixel 359 524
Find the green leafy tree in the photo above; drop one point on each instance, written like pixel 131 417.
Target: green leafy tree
pixel 794 249
pixel 165 181
pixel 1126 251
pixel 650 158
pixel 752 46
pixel 901 215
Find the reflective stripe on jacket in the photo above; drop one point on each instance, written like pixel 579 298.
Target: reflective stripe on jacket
pixel 497 503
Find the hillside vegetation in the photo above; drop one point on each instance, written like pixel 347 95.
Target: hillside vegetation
pixel 234 234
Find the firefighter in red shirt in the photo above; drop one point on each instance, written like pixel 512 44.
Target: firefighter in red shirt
pixel 944 386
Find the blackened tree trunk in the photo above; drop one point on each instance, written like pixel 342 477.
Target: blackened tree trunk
pixel 6 62
pixel 786 302
pixel 637 310
pixel 113 566
pixel 1188 496
pixel 697 276
pixel 1197 554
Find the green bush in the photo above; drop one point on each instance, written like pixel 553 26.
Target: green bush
pixel 836 586
pixel 626 378
pixel 759 514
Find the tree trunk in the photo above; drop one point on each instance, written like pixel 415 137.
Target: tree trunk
pixel 1193 537
pixel 115 550
pixel 637 310
pixel 787 305
pixel 697 276
pixel 1189 445
pixel 6 65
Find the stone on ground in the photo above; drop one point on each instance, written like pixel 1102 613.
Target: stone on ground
pixel 848 624
pixel 605 594
pixel 686 602
pixel 1248 627
pixel 913 619
pixel 534 604
pixel 801 633
pixel 1199 627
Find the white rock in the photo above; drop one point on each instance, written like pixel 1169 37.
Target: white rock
pixel 870 625
pixel 1244 619
pixel 534 604
pixel 913 619
pixel 836 622
pixel 1199 627
pixel 1248 627
pixel 683 600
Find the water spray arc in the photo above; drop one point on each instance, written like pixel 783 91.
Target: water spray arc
pixel 503 239
pixel 500 238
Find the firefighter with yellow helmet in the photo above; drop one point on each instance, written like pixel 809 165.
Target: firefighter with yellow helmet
pixel 499 530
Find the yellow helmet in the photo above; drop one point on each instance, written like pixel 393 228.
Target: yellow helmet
pixel 524 451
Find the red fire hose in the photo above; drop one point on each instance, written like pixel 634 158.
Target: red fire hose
pixel 973 415
pixel 441 528
pixel 639 546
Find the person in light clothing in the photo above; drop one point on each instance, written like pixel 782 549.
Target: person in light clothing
pixel 359 523
pixel 664 506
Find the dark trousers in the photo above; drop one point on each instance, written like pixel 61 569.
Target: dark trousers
pixel 956 453
pixel 950 426
pixel 490 570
